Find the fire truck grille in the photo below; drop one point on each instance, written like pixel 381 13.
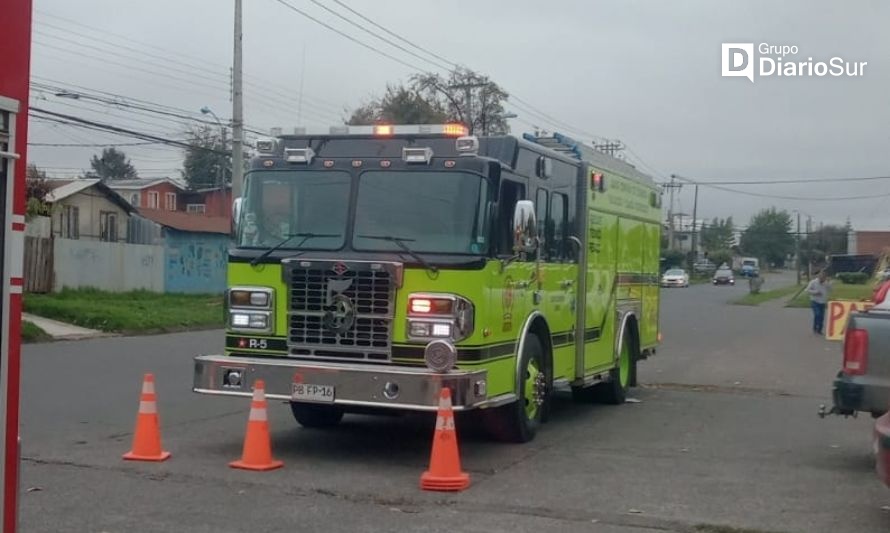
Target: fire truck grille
pixel 340 311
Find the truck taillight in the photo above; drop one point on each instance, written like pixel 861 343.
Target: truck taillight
pixel 855 351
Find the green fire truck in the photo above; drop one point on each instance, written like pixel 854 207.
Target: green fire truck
pixel 374 265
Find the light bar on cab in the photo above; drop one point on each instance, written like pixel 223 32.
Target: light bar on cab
pixel 388 130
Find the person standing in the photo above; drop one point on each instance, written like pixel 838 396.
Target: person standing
pixel 818 289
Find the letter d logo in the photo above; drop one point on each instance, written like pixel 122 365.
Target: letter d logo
pixel 738 60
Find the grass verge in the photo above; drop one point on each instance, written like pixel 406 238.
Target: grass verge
pixel 32 333
pixel 129 312
pixel 765 296
pixel 839 291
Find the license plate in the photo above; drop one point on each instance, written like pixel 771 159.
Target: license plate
pixel 308 392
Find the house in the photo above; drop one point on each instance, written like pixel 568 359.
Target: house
pixel 212 202
pixel 87 209
pixel 195 250
pixel 868 242
pixel 150 193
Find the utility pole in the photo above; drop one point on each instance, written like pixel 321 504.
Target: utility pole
pixel 672 185
pixel 798 248
pixel 694 224
pixel 468 88
pixel 609 147
pixel 237 110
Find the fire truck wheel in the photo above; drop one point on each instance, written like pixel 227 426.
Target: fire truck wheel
pixel 520 420
pixel 316 416
pixel 615 390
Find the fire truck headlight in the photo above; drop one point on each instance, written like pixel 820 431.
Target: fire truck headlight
pixel 251 321
pixel 440 356
pixel 441 330
pixel 439 316
pixel 250 297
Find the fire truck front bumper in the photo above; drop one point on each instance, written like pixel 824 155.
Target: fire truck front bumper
pixel 343 384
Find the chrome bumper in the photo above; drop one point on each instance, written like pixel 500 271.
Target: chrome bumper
pixel 354 385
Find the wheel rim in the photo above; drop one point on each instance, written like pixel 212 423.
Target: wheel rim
pixel 624 364
pixel 534 389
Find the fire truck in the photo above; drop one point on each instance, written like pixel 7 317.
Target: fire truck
pixel 374 265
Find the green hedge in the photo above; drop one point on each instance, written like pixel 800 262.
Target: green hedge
pixel 853 278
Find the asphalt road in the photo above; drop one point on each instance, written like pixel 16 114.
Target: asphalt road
pixel 725 433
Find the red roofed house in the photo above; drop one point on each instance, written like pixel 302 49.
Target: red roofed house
pixel 159 193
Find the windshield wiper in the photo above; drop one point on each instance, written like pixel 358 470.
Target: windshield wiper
pixel 306 236
pixel 400 242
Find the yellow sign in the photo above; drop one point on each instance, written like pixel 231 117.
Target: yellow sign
pixel 836 315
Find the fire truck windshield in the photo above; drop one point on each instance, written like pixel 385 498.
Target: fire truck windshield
pixel 279 204
pixel 436 211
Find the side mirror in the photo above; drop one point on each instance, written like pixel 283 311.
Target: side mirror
pixel 525 228
pixel 236 215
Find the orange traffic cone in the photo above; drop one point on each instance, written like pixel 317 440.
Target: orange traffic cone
pixel 257 454
pixel 147 437
pixel 445 473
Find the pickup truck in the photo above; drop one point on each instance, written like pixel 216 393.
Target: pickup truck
pixel 863 383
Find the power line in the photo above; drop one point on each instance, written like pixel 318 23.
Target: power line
pixel 782 197
pixel 790 181
pixel 92 145
pixel 63 118
pixel 346 35
pixel 397 36
pixel 168 55
pixel 376 36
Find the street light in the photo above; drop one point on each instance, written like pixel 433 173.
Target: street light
pixel 222 180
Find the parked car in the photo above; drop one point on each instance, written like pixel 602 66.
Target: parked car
pixel 675 277
pixel 863 383
pixel 724 276
pixel 882 448
pixel 704 267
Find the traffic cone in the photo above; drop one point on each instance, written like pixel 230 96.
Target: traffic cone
pixel 445 473
pixel 147 437
pixel 257 454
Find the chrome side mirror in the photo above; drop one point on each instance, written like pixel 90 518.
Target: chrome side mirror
pixel 236 215
pixel 525 228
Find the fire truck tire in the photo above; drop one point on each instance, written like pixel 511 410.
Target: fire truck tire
pixel 623 376
pixel 310 415
pixel 519 421
pixel 614 391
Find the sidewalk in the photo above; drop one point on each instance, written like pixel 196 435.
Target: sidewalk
pixel 61 331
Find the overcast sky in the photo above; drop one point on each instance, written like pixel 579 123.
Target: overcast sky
pixel 647 73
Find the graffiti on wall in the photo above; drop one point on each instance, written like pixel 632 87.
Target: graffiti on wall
pixel 195 262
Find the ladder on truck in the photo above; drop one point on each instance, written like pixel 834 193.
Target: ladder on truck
pixel 565 145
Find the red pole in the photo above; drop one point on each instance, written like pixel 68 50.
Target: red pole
pixel 15 49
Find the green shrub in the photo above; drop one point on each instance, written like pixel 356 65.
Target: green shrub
pixel 853 278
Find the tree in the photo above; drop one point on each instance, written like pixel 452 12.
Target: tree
pixel 400 105
pixel 719 235
pixel 825 241
pixel 37 188
pixel 112 165
pixel 467 97
pixel 206 159
pixel 769 236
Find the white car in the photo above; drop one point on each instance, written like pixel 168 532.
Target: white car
pixel 675 277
